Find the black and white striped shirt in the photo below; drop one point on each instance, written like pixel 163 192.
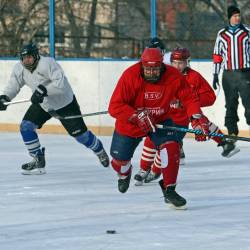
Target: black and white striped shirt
pixel 232 49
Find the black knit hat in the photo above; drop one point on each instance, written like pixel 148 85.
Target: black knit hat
pixel 231 10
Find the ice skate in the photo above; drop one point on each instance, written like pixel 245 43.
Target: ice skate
pixel 103 158
pixel 36 166
pixel 172 197
pixel 229 148
pixel 140 177
pixel 151 177
pixel 123 182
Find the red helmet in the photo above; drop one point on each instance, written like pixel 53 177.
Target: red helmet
pixel 180 54
pixel 152 57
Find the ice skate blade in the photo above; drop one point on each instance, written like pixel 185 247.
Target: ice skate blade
pixel 177 208
pixel 138 183
pixel 233 152
pixel 37 171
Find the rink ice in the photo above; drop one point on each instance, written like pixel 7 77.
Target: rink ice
pixel 73 205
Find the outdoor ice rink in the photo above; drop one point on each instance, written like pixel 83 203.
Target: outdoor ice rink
pixel 72 206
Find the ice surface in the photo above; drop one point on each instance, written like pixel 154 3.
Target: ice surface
pixel 73 205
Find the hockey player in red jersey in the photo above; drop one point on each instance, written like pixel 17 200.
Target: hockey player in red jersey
pixel 180 60
pixel 141 100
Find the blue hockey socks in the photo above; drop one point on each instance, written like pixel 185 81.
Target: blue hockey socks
pixel 30 137
pixel 89 140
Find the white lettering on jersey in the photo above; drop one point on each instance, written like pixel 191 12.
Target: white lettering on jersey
pixel 152 95
pixel 157 111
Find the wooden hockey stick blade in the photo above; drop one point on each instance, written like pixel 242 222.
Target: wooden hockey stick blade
pixel 54 114
pixel 16 102
pixel 198 132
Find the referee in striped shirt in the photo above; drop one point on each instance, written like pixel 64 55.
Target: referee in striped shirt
pixel 232 52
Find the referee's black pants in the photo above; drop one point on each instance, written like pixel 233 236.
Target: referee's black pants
pixel 236 83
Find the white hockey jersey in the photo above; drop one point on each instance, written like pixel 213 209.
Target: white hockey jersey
pixel 48 73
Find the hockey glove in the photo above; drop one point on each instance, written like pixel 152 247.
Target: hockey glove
pixel 175 104
pixel 143 120
pixel 39 94
pixel 200 122
pixel 215 81
pixel 3 99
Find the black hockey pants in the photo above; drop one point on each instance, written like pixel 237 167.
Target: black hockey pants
pixel 236 83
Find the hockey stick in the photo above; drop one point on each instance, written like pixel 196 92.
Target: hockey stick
pixel 54 114
pixel 16 102
pixel 199 132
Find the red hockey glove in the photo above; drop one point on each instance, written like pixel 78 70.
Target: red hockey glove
pixel 143 120
pixel 200 122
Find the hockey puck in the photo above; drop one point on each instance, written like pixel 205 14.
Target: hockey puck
pixel 111 232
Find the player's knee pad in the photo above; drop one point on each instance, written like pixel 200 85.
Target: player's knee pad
pixel 169 153
pixel 121 167
pixel 27 126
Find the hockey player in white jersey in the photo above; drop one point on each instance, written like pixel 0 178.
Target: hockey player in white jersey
pixel 51 91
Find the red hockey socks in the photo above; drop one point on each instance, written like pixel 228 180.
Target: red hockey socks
pixel 148 154
pixel 214 129
pixel 121 167
pixel 156 167
pixel 170 157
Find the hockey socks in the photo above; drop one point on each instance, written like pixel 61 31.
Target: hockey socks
pixel 170 157
pixel 156 167
pixel 124 170
pixel 89 140
pixel 148 154
pixel 30 137
pixel 214 129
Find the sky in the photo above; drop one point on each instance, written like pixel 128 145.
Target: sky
pixel 77 201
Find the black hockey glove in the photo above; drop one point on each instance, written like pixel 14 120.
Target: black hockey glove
pixel 216 81
pixel 3 99
pixel 39 94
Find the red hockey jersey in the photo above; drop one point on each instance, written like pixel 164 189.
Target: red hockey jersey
pixel 134 93
pixel 203 90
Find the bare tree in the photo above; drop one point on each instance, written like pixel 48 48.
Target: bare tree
pixel 74 29
pixel 18 25
pixel 114 28
pixel 91 28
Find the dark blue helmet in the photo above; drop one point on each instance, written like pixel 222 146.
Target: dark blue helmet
pixel 156 43
pixel 30 49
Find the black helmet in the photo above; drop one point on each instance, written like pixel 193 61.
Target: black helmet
pixel 30 49
pixel 156 43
